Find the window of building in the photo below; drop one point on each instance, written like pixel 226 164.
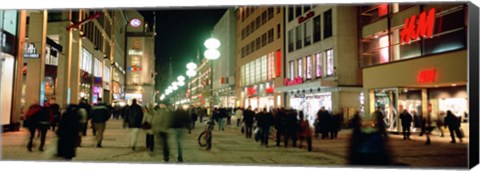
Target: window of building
pixel 270 35
pixel 270 13
pixel 291 40
pixel 290 13
pixel 307 8
pixel 279 31
pixel 106 74
pixel 300 67
pixel 247 31
pixel 264 39
pixel 309 67
pixel 292 70
pixel 258 43
pixel 264 67
pixel 308 33
pixel 243 34
pixel 258 22
pixel 86 61
pixel 271 65
pixel 258 70
pixel 135 60
pixel 278 9
pixel 242 77
pixel 248 50
pixel 299 36
pixel 327 19
pixel 135 78
pixel 243 14
pixel 247 74
pixel 298 11
pixel 316 29
pixel 97 72
pixel 252 46
pixel 318 64
pixel 243 52
pixel 330 63
pixel 264 17
pixel 252 27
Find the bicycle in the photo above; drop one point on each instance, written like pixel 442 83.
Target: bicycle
pixel 205 138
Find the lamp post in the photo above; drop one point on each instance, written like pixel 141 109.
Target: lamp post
pixel 191 73
pixel 211 54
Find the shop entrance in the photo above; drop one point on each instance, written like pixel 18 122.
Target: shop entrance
pixel 7 65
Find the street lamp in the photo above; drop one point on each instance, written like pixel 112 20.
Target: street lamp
pixel 181 78
pixel 211 54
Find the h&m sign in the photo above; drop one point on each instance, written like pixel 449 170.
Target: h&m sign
pixel 415 28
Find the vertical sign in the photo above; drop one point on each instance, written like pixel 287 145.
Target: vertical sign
pixel 42 93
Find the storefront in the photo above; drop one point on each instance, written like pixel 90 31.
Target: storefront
pixel 260 96
pixel 86 75
pixel 421 69
pixel 311 103
pixel 8 39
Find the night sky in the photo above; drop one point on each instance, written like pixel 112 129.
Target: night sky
pixel 180 34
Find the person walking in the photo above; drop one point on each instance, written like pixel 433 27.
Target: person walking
pixel 55 109
pixel 147 127
pixel 133 120
pixel 193 117
pixel 280 125
pixel 100 115
pixel 453 124
pixel 292 128
pixel 239 116
pixel 69 132
pixel 31 122
pixel 335 125
pixel 248 118
pixel 406 119
pixel 440 122
pixel 88 109
pixel 179 122
pixel 160 125
pixel 305 132
pixel 265 125
pixel 324 120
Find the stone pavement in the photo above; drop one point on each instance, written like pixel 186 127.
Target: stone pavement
pixel 230 147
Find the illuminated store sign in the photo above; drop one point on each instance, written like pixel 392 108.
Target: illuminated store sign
pixel 295 81
pixel 301 19
pixel 134 52
pixel 414 29
pixel 427 76
pixel 30 51
pixel 135 22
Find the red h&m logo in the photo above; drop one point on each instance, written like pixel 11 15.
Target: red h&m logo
pixel 251 91
pixel 382 9
pixel 424 27
pixel 427 76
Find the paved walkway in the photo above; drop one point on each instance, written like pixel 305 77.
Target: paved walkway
pixel 230 147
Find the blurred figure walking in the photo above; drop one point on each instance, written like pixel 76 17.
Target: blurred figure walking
pixel 69 132
pixel 134 120
pixel 88 109
pixel 179 122
pixel 147 121
pixel 248 118
pixel 305 132
pixel 100 115
pixel 453 124
pixel 160 125
pixel 406 123
pixel 35 118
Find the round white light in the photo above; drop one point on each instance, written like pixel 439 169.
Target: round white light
pixel 212 54
pixel 174 84
pixel 175 88
pixel 191 66
pixel 181 83
pixel 212 43
pixel 191 73
pixel 181 78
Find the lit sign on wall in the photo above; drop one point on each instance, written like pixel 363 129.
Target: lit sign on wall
pixel 301 19
pixel 414 29
pixel 427 76
pixel 30 51
pixel 134 52
pixel 295 81
pixel 135 22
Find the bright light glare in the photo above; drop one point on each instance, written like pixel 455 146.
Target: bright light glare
pixel 191 73
pixel 191 66
pixel 212 43
pixel 212 54
pixel 181 78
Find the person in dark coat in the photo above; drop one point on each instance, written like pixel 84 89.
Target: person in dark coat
pixel 323 120
pixel 453 124
pixel 30 122
pixel 180 121
pixel 291 127
pixel 280 125
pixel 134 120
pixel 100 115
pixel 69 131
pixel 335 125
pixel 55 109
pixel 406 124
pixel 264 122
pixel 248 118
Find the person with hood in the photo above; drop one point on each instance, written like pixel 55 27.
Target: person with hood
pixel 133 120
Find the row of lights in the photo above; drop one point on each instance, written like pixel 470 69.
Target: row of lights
pixel 211 54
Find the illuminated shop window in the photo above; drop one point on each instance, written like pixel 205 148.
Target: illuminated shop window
pixel 384 57
pixel 309 67
pixel 300 67
pixel 97 72
pixel 318 64
pixel 264 68
pixel 135 61
pixel 292 70
pixel 330 64
pixel 86 61
pixel 258 67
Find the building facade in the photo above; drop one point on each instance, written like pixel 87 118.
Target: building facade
pixel 412 59
pixel 321 60
pixel 259 56
pixel 224 67
pixel 140 59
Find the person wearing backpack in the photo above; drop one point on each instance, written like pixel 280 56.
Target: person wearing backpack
pixel 134 120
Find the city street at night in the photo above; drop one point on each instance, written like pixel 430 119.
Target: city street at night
pixel 230 147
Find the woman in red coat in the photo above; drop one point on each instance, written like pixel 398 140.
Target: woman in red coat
pixel 305 132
